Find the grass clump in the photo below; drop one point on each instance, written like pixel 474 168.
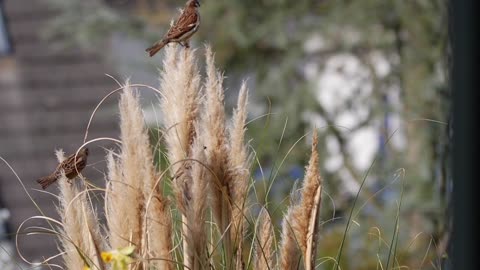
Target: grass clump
pixel 194 213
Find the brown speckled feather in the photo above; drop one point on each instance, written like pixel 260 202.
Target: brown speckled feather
pixel 182 29
pixel 72 165
pixel 186 23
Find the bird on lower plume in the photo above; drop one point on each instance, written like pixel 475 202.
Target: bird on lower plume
pixel 72 166
pixel 182 29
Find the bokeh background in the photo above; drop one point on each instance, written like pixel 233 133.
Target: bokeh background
pixel 369 75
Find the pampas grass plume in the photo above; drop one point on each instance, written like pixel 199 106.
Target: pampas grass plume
pixel 82 240
pixel 264 256
pixel 300 225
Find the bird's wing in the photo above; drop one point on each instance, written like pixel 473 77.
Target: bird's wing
pixel 73 166
pixel 184 24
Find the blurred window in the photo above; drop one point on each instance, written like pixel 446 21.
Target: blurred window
pixel 5 46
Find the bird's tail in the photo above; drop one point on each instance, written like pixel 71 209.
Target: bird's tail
pixel 156 47
pixel 46 181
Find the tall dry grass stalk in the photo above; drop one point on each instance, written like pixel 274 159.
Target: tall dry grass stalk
pixel 196 214
pixel 264 256
pixel 124 194
pixel 239 163
pixel 137 212
pixel 229 161
pixel 81 241
pixel 300 225
pixel 215 140
pixel 180 85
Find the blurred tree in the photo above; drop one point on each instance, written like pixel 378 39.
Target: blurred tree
pixel 280 42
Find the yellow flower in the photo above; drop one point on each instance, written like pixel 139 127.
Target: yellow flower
pixel 119 258
pixel 86 268
pixel 106 256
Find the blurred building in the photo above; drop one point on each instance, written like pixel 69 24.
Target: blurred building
pixel 46 98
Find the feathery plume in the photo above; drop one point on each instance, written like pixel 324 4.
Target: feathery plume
pixel 180 84
pixel 113 196
pixel 300 225
pixel 239 162
pixel 214 135
pixel 145 220
pixel 264 245
pixel 157 238
pixel 197 210
pixel 158 230
pixel 125 196
pixel 215 140
pixel 80 226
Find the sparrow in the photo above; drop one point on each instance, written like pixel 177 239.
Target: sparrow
pixel 182 29
pixel 72 165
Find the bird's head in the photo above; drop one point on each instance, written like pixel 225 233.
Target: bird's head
pixel 193 3
pixel 84 150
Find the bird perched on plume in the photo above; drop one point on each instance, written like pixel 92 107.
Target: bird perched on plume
pixel 72 166
pixel 182 29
